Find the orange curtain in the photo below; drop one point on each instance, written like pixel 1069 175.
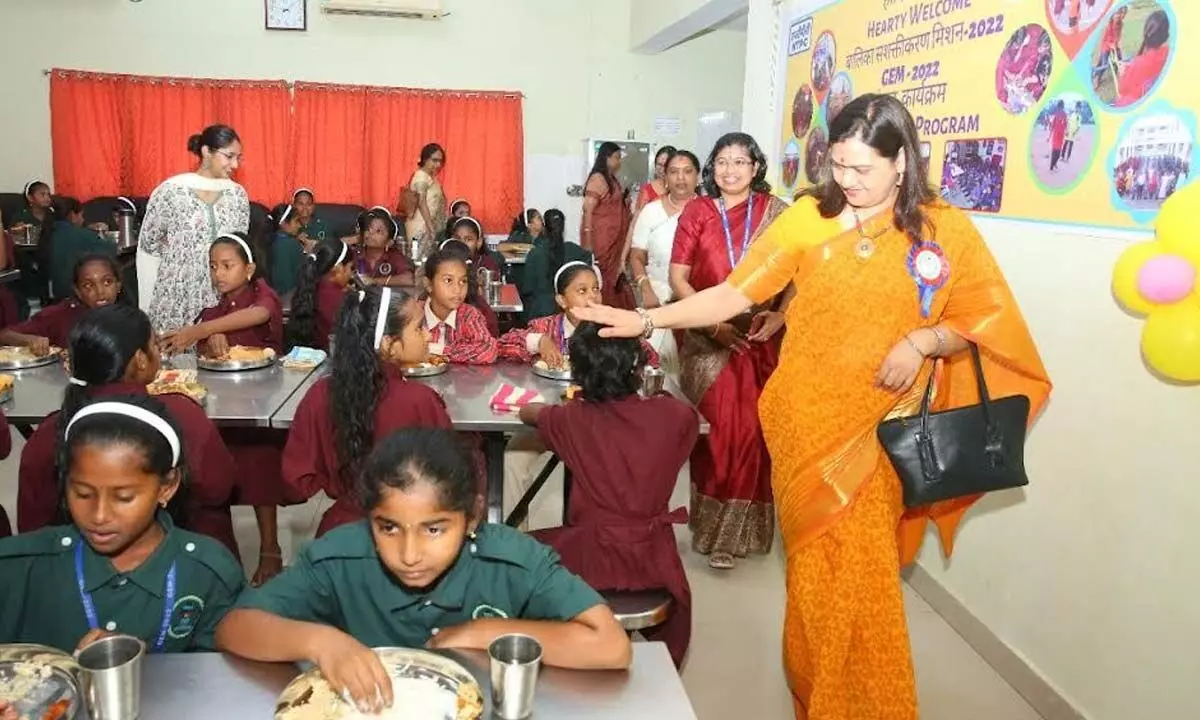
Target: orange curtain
pixel 362 144
pixel 148 121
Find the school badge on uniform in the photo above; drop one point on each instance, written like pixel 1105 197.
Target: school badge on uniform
pixel 487 611
pixel 385 269
pixel 184 616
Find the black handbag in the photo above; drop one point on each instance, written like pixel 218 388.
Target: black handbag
pixel 964 451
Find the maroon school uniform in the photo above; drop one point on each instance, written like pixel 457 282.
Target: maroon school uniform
pixel 256 451
pixel 329 302
pixel 390 264
pixel 8 301
pixel 5 449
pixel 54 322
pixel 311 462
pixel 618 535
pixel 210 469
pixel 514 345
pixel 266 335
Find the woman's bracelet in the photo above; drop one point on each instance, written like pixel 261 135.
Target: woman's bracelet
pixel 908 339
pixel 641 279
pixel 647 323
pixel 941 340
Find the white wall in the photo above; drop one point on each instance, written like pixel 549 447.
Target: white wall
pixel 1092 572
pixel 571 58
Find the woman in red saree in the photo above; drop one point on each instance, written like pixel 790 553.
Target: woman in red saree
pixel 724 367
pixel 605 224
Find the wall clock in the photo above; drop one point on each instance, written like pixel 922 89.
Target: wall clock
pixel 286 14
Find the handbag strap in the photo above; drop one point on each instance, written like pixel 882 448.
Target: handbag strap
pixel 985 402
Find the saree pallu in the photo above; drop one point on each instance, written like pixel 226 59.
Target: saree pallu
pixel 610 223
pixel 842 520
pixel 731 507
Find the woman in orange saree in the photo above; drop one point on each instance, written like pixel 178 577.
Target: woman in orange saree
pixel 605 223
pixel 725 367
pixel 887 285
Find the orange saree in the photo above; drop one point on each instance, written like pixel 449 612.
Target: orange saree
pixel 844 527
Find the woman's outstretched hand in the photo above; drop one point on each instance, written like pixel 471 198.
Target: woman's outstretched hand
pixel 620 323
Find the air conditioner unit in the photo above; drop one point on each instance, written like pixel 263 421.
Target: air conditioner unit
pixel 411 9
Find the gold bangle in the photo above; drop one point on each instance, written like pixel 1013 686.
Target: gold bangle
pixel 908 339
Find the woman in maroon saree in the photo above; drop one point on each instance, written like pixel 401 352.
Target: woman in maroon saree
pixel 724 368
pixel 606 221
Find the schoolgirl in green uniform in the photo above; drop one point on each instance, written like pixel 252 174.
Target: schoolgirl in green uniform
pixel 420 571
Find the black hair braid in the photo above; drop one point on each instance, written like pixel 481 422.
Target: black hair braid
pixel 355 382
pixel 302 326
pixel 556 223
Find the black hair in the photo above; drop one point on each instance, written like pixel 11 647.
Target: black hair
pixel 31 189
pixel 213 137
pixel 357 377
pixel 668 150
pixel 303 191
pixel 600 166
pixel 428 152
pixel 882 122
pixel 411 455
pixel 750 145
pixel 556 224
pixel 1156 31
pixel 69 206
pixel 364 222
pixel 458 249
pixel 302 327
pixel 449 253
pixel 116 429
pixel 606 368
pixel 520 223
pixel 691 156
pixel 264 240
pixel 101 345
pixel 260 254
pixel 108 260
pixel 468 222
pixel 568 275
pixel 460 201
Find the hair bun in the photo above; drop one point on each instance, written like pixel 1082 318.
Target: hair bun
pixel 195 142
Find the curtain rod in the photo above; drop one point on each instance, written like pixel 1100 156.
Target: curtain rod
pixel 292 83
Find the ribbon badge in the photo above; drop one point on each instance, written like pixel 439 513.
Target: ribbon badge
pixel 929 268
pixel 385 269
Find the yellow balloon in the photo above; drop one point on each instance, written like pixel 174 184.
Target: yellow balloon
pixel 1171 342
pixel 1124 283
pixel 1178 226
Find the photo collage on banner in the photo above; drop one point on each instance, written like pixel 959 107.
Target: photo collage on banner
pixel 1064 111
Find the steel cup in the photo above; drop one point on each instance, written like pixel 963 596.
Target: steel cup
pixel 112 677
pixel 515 660
pixel 653 380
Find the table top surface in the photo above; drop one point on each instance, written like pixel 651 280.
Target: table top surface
pixel 200 686
pixel 9 275
pixel 467 391
pixel 247 398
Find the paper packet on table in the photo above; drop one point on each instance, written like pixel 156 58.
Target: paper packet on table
pixel 510 399
pixel 303 357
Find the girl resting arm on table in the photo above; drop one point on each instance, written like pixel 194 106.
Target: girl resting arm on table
pixel 420 571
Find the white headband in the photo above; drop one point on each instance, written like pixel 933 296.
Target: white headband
pixel 135 412
pixel 457 202
pixel 473 221
pixel 445 243
pixel 529 213
pixel 300 190
pixel 239 241
pixel 283 216
pixel 342 254
pixel 385 299
pixel 28 185
pixel 128 202
pixel 578 263
pixel 390 219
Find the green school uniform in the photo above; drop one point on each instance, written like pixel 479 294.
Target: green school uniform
pixel 41 602
pixel 69 244
pixel 286 258
pixel 25 216
pixel 537 291
pixel 316 229
pixel 339 580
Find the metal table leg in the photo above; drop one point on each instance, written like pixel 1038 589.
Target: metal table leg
pixel 493 452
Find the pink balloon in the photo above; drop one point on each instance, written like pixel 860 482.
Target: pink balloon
pixel 1166 279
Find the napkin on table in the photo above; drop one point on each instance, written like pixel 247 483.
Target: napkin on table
pixel 303 357
pixel 510 399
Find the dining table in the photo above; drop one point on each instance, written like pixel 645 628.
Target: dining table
pixel 509 300
pixel 201 686
pixel 467 391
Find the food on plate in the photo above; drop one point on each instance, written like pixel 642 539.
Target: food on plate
pixel 26 678
pixel 416 698
pixel 564 365
pixel 431 361
pixel 178 382
pixel 18 353
pixel 572 392
pixel 243 353
pixel 6 383
pixel 58 710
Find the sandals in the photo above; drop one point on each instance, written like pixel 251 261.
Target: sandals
pixel 721 561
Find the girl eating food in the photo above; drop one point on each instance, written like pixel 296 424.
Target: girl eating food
pixel 458 331
pixel 618 533
pixel 378 262
pixel 97 284
pixel 113 352
pixel 325 276
pixel 420 571
pixel 122 565
pixel 248 317
pixel 364 398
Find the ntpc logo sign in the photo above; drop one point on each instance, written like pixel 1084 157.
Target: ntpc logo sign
pixel 800 36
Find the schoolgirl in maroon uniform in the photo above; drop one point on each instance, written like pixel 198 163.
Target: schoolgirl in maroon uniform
pixel 97 284
pixel 325 276
pixel 378 261
pixel 113 353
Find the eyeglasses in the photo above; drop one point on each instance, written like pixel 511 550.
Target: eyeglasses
pixel 230 156
pixel 736 163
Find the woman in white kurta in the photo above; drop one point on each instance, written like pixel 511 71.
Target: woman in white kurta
pixel 429 221
pixel 653 238
pixel 185 214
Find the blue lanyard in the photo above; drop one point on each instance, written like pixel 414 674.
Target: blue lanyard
pixel 562 333
pixel 89 607
pixel 729 233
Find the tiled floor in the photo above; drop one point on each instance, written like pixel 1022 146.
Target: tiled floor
pixel 733 667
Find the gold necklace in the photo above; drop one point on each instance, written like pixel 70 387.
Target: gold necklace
pixel 865 247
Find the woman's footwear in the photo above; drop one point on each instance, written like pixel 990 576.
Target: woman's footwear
pixel 721 561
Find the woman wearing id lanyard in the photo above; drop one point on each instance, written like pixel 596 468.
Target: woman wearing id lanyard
pixel 725 366
pixel 889 283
